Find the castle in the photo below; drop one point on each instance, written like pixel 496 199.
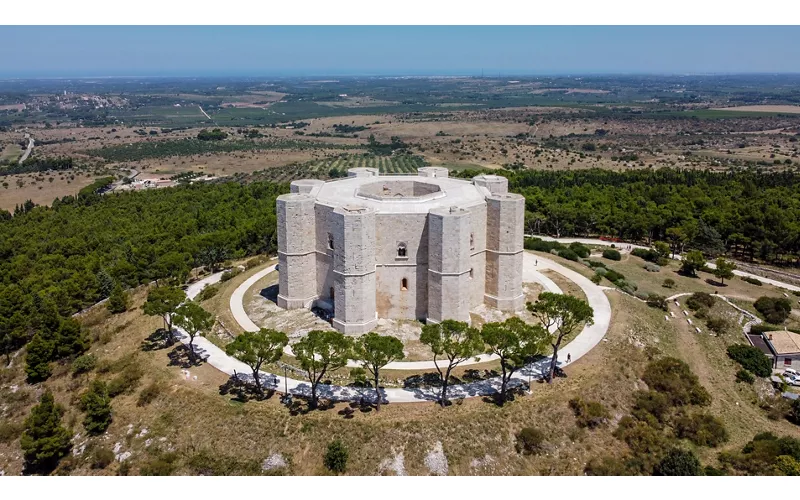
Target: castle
pixel 425 246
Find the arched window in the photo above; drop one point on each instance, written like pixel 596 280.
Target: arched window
pixel 472 241
pixel 404 284
pixel 471 273
pixel 401 249
pixel 332 293
pixel 330 241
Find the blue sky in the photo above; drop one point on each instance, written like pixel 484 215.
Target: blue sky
pixel 44 51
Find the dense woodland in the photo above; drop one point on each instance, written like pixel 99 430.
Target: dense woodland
pixel 72 255
pixel 749 214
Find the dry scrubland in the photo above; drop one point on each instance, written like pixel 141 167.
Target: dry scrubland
pixel 189 428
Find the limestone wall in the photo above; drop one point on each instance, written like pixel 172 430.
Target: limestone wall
pixel 448 264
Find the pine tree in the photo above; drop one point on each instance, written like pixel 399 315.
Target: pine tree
pixel 37 360
pixel 45 441
pixel 118 300
pixel 105 283
pixel 96 403
pixel 70 339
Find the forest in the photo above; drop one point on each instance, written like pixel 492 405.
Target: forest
pixel 748 214
pixel 71 255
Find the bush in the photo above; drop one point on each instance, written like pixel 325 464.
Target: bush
pixel 668 283
pixel 673 378
pixel 102 458
pixel 641 296
pixel 229 274
pixel 84 364
pixel 745 376
pixel 255 262
pixel 568 254
pixel 649 404
pixel 580 249
pixel 761 454
pixel 751 358
pixel 614 276
pixel 717 325
pixel 9 431
pixel 626 286
pixel 594 263
pixel 611 254
pixel 774 310
pixel 336 457
pixel 149 394
pixel 162 465
pixel 591 414
pixel 678 462
pixel 529 441
pixel 657 301
pixel 125 381
pixel 698 300
pixel 207 292
pixel 540 245
pixel 752 281
pixel 702 429
pixel 600 271
pixel 597 278
pixel 653 268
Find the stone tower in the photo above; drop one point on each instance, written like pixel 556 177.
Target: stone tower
pixel 296 250
pixel 353 239
pixel 505 214
pixel 449 267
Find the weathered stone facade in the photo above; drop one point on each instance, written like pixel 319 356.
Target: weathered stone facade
pixel 424 247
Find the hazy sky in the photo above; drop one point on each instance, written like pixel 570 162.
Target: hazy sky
pixel 43 51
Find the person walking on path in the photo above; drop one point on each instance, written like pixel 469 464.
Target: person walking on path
pixel 569 357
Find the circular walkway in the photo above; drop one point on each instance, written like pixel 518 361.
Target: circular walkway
pixel 589 337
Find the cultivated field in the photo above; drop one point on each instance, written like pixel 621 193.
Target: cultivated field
pixel 765 108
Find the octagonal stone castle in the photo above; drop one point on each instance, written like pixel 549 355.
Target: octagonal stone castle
pixel 418 247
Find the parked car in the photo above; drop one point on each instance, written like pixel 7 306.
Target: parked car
pixel 790 372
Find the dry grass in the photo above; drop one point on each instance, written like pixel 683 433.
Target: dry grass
pixel 38 188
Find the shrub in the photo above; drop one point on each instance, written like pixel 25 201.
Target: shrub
pixel 594 263
pixel 229 274
pixel 649 404
pixel 678 462
pixel 626 286
pixel 675 379
pixel 529 441
pixel 752 281
pixel 611 254
pixel 597 278
pixel 653 268
pixel 774 310
pixel 657 301
pixel 540 245
pixel 761 454
pixel 126 381
pixel 745 376
pixel 9 431
pixel 84 364
pixel 162 465
pixel 568 254
pixel 336 457
pixel 647 254
pixel 641 296
pixel 255 262
pixel 580 249
pixel 644 440
pixel 751 358
pixel 102 458
pixel 668 283
pixel 600 271
pixel 614 276
pixel 717 324
pixel 591 414
pixel 149 394
pixel 702 429
pixel 698 300
pixel 207 292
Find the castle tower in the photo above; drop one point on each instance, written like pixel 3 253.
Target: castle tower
pixel 496 184
pixel 296 255
pixel 433 172
pixel 353 241
pixel 449 267
pixel 505 214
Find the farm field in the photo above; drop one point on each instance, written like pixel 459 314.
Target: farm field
pixel 763 108
pixel 337 167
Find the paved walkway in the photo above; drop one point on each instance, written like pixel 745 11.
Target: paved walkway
pixel 589 337
pixel 710 264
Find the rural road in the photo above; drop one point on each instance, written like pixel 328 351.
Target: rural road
pixel 588 338
pixel 201 110
pixel 28 151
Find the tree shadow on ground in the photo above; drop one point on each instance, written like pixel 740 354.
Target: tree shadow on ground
pixel 244 390
pixel 179 356
pixel 157 340
pixel 715 283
